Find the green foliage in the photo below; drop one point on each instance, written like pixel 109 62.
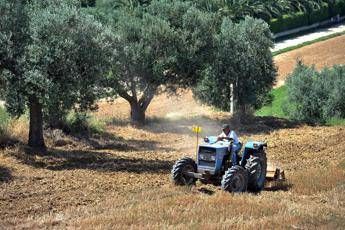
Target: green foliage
pixel 88 3
pixel 83 124
pixel 319 15
pixel 57 69
pixel 4 120
pixel 242 58
pixel 159 48
pixel 336 122
pixel 288 21
pixel 275 107
pixel 62 66
pixel 325 97
pixel 339 7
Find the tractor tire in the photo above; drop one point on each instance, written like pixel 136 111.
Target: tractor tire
pixel 235 179
pixel 181 166
pixel 257 168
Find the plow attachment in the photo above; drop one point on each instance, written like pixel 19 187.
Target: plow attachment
pixel 275 177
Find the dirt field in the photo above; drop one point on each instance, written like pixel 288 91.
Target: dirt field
pixel 321 54
pixel 120 179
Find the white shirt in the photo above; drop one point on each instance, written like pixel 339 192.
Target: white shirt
pixel 231 135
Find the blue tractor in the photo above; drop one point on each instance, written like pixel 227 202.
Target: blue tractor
pixel 214 165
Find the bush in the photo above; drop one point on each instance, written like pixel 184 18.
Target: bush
pixel 319 15
pixel 4 121
pixel 83 124
pixel 88 3
pixel 288 22
pixel 325 97
pixel 291 21
pixel 339 7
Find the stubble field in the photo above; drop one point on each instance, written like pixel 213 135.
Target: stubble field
pixel 120 179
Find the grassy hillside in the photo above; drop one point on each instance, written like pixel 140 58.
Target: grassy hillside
pixel 275 109
pixel 280 99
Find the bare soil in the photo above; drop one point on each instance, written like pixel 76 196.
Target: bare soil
pixel 322 54
pixel 120 179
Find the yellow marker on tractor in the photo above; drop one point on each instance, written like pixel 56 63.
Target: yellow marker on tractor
pixel 197 129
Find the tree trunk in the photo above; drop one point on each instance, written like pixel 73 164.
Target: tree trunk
pixel 137 114
pixel 36 139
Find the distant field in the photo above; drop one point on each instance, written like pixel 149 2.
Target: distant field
pixel 321 54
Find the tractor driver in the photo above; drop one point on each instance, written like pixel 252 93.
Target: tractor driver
pixel 230 135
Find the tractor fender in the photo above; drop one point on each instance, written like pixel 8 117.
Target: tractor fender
pixel 255 145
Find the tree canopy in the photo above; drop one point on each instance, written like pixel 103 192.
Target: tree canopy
pixel 243 58
pixel 326 94
pixel 52 57
pixel 159 48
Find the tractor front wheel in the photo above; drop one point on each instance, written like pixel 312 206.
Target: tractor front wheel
pixel 235 179
pixel 180 169
pixel 257 168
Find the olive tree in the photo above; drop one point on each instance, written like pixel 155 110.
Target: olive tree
pixel 158 48
pixel 325 98
pixel 52 57
pixel 242 58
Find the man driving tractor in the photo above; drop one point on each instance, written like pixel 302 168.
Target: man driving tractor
pixel 235 145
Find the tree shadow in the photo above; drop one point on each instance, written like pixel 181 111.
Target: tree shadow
pixel 6 141
pixel 104 141
pixel 55 159
pixel 206 191
pixel 265 125
pixel 5 175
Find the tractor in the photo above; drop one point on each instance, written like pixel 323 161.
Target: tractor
pixel 214 166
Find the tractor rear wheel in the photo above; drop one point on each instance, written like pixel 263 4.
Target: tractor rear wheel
pixel 235 179
pixel 257 168
pixel 179 170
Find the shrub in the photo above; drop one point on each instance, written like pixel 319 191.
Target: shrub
pixel 319 15
pixel 83 124
pixel 4 121
pixel 339 7
pixel 316 96
pixel 288 21
pixel 88 3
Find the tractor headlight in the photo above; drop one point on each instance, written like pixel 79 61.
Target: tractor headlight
pixel 207 157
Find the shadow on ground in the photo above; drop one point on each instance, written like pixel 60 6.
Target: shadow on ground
pixel 102 141
pixel 279 187
pixel 55 159
pixel 5 175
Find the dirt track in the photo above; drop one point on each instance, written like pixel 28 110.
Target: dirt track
pixel 325 53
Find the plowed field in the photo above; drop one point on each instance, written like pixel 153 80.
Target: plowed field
pixel 321 54
pixel 120 179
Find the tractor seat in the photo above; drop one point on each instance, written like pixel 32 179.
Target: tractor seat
pixel 239 149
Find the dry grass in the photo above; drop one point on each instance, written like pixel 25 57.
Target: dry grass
pixel 121 179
